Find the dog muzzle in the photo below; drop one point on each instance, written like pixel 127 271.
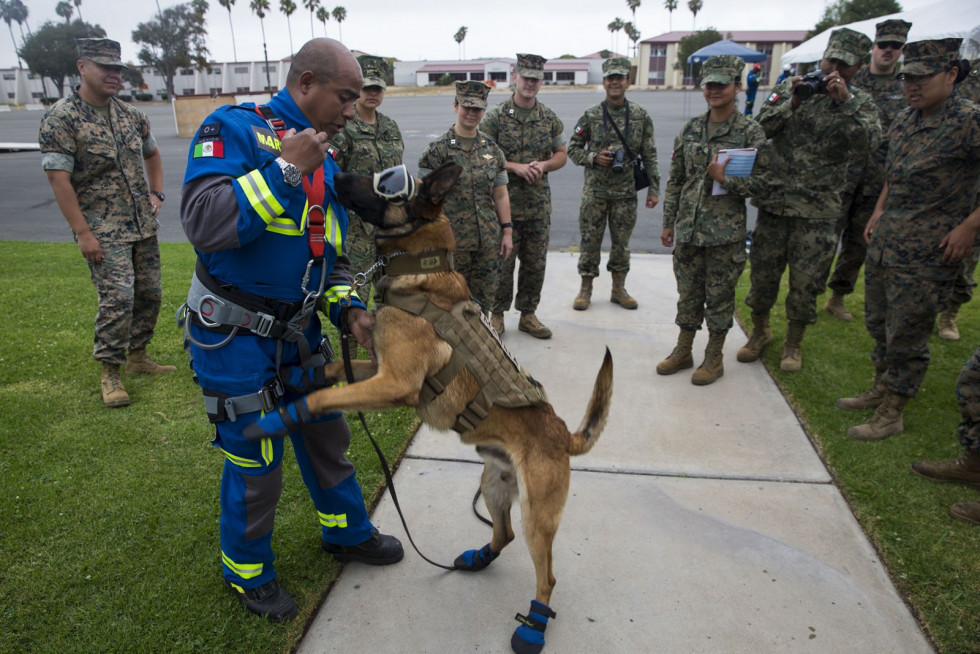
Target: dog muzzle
pixel 395 185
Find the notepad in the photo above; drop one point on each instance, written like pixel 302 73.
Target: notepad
pixel 742 160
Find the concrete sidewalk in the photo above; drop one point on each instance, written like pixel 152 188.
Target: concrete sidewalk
pixel 702 521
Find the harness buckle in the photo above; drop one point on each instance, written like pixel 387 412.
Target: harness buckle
pixel 202 315
pixel 271 393
pixel 264 326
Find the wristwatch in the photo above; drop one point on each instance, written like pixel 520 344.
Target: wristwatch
pixel 160 195
pixel 290 173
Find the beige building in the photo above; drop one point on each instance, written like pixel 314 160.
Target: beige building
pixel 657 56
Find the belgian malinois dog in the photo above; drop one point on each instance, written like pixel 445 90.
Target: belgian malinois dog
pixel 526 450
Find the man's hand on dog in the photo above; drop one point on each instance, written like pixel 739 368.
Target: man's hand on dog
pixel 361 323
pixel 306 150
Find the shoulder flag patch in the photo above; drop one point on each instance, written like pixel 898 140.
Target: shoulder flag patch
pixel 332 151
pixel 578 129
pixel 773 98
pixel 214 148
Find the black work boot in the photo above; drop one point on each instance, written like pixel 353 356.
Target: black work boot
pixel 269 601
pixel 379 549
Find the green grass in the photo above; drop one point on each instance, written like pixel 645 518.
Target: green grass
pixel 109 518
pixel 931 557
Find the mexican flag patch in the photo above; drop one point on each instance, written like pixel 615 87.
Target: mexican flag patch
pixel 209 149
pixel 773 98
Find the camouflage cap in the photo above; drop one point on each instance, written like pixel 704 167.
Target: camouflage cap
pixel 530 66
pixel 929 57
pixel 472 94
pixel 102 51
pixel 374 70
pixel 892 30
pixel 616 66
pixel 722 69
pixel 848 46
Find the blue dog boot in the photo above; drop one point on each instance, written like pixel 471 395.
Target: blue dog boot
pixel 474 560
pixel 279 423
pixel 529 637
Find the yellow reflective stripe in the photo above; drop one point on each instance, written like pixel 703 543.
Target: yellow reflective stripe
pixel 243 570
pixel 240 460
pixel 339 292
pixel 260 196
pixel 330 520
pixel 285 226
pixel 266 447
pixel 332 232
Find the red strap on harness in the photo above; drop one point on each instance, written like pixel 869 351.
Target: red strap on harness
pixel 316 190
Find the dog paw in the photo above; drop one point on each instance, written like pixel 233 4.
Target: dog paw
pixel 280 423
pixel 474 560
pixel 529 637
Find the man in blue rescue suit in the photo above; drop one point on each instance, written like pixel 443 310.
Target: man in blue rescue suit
pixel 268 257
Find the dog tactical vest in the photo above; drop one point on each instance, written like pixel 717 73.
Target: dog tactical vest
pixel 476 347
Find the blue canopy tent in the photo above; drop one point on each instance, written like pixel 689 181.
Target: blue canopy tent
pixel 723 47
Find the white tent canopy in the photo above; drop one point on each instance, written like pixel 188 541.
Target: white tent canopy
pixel 942 20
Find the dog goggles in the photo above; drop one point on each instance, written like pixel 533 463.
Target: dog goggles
pixel 395 185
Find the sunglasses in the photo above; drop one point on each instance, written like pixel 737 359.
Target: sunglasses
pixel 893 45
pixel 395 185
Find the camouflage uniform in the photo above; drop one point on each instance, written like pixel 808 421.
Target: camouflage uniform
pixel 932 170
pixel 810 149
pixel 709 230
pixel 610 196
pixel 525 136
pixel 968 399
pixel 104 150
pixel 470 208
pixel 965 283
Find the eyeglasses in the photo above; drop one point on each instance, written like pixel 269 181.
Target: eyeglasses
pixel 395 184
pixel 916 80
pixel 893 45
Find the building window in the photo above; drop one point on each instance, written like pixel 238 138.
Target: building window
pixel 36 95
pixel 548 76
pixel 31 76
pixel 186 71
pixel 242 89
pixel 10 96
pixel 658 52
pixel 214 90
pixel 214 71
pixel 187 91
pixel 498 76
pixel 9 76
pixel 241 69
pixel 272 89
pixel 268 69
pixel 478 76
pixel 435 77
pixel 564 77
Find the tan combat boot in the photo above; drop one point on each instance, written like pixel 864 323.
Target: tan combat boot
pixel 620 295
pixel 137 361
pixel 680 358
pixel 760 337
pixel 835 307
pixel 869 399
pixel 113 393
pixel 966 511
pixel 948 331
pixel 584 296
pixel 964 470
pixel 792 360
pixel 712 368
pixel 887 420
pixel 529 323
pixel 497 322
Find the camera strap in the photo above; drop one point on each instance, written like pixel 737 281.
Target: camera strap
pixel 606 116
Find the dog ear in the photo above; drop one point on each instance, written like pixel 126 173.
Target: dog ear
pixel 437 183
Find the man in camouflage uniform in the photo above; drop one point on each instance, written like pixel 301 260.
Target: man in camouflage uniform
pixel 924 224
pixel 878 80
pixel 609 193
pixel 93 151
pixel 530 136
pixel 477 205
pixel 811 143
pixel 707 231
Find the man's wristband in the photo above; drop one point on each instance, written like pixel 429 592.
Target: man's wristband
pixel 506 225
pixel 160 195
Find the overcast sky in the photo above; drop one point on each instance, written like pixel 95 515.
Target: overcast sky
pixel 424 29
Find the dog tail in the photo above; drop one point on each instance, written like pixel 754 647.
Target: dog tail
pixel 597 412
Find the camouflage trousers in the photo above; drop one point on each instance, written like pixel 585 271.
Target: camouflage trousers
pixel 360 247
pixel 130 293
pixel 706 279
pixel 968 398
pixel 853 248
pixel 531 247
pixel 963 289
pixel 593 216
pixel 900 308
pixel 806 246
pixel 481 269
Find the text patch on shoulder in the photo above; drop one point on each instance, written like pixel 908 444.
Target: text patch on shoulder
pixel 266 139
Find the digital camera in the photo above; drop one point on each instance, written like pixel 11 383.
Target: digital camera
pixel 810 85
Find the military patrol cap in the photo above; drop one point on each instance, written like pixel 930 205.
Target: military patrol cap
pixel 472 94
pixel 102 51
pixel 374 71
pixel 616 66
pixel 892 30
pixel 530 66
pixel 722 69
pixel 928 57
pixel 848 46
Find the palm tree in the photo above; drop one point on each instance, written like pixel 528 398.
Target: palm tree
pixel 633 5
pixel 460 36
pixel 340 15
pixel 227 5
pixel 312 5
pixel 323 15
pixel 695 7
pixel 288 7
pixel 670 6
pixel 633 34
pixel 614 27
pixel 7 12
pixel 260 7
pixel 78 6
pixel 65 10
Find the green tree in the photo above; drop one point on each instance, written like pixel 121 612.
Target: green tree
pixel 633 34
pixel 323 15
pixel 340 15
pixel 615 27
pixel 843 12
pixel 695 7
pixel 227 5
pixel 51 52
pixel 259 7
pixel 288 7
pixel 65 10
pixel 691 44
pixel 670 6
pixel 176 38
pixel 78 6
pixel 7 13
pixel 633 5
pixel 459 37
pixel 312 5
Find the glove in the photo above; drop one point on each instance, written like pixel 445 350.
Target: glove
pixel 283 422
